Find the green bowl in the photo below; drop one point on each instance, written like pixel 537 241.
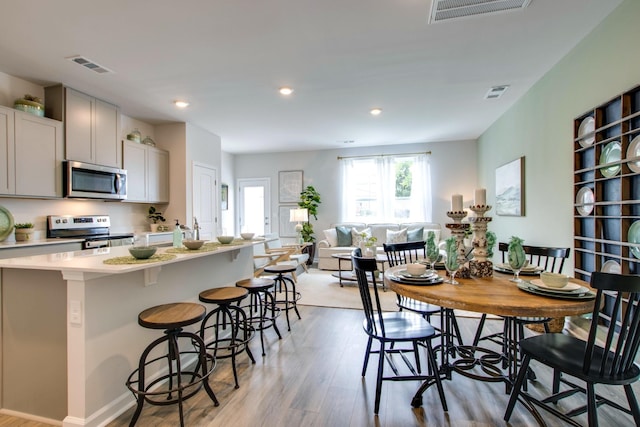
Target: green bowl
pixel 142 252
pixel 225 240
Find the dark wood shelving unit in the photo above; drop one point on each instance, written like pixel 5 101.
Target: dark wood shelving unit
pixel 612 181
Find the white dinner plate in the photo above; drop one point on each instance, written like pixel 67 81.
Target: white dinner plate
pixel 571 287
pixel 585 131
pixel 584 201
pixel 634 151
pixel 611 153
pixel 611 266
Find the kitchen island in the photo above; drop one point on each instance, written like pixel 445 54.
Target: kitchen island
pixel 70 336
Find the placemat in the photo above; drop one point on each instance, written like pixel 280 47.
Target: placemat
pixel 123 260
pixel 203 248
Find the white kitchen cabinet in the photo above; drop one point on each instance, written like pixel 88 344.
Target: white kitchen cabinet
pixel 33 153
pixel 147 172
pixel 92 126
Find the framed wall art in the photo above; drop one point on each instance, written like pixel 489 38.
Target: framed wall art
pixel 286 227
pixel 510 188
pixel 289 186
pixel 224 197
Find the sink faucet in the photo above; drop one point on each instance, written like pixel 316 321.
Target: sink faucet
pixel 196 229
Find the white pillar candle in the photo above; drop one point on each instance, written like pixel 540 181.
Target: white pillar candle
pixel 481 197
pixel 456 202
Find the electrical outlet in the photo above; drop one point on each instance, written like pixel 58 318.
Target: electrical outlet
pixel 75 312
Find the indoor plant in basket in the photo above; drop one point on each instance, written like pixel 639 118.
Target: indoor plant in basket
pixel 24 231
pixel 310 200
pixel 156 217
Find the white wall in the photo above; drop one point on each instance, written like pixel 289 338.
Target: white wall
pixel 540 127
pixel 453 170
pixel 227 176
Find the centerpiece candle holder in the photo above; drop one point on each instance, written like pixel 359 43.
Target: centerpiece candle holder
pixel 480 265
pixel 458 229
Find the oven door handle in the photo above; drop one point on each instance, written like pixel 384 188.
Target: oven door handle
pixel 91 244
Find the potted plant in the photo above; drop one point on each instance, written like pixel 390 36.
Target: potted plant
pixel 309 200
pixel 155 216
pixel 24 231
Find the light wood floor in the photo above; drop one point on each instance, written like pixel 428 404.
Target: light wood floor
pixel 312 378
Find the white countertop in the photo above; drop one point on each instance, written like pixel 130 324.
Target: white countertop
pixel 91 260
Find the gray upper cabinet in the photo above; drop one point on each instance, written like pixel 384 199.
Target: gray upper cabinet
pixel 32 154
pixel 91 125
pixel 147 172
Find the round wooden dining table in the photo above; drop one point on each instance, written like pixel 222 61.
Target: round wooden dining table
pixel 491 295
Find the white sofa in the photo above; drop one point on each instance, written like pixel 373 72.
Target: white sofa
pixel 379 231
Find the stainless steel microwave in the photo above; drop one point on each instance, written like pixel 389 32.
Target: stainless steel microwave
pixel 86 180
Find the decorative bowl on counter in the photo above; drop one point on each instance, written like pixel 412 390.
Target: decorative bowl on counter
pixel 193 244
pixel 225 240
pixel 247 236
pixel 142 252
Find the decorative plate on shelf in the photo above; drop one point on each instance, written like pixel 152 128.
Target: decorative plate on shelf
pixel 611 266
pixel 6 223
pixel 585 131
pixel 634 151
pixel 611 153
pixel 633 236
pixel 585 200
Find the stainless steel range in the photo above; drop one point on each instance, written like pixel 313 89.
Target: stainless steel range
pixel 94 229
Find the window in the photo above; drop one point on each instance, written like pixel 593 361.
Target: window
pixel 386 189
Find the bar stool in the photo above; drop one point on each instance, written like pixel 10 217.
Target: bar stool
pixel 261 302
pixel 171 317
pixel 231 332
pixel 290 297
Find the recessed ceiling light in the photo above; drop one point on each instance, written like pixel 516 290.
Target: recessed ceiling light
pixel 181 104
pixel 376 111
pixel 285 90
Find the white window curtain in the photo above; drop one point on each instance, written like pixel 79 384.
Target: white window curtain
pixel 369 190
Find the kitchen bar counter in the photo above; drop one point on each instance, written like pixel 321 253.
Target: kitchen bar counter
pixel 70 336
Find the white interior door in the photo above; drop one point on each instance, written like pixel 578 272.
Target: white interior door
pixel 205 199
pixel 254 206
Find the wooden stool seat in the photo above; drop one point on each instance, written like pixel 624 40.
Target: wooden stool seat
pixel 256 284
pixel 171 316
pixel 280 269
pixel 226 295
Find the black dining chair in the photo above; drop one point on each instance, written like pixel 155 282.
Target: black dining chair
pixel 405 253
pixel 391 330
pixel 607 357
pixel 547 258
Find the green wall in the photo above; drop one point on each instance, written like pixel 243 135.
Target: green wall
pixel 540 128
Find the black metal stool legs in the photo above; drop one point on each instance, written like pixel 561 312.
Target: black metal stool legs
pixel 174 378
pixel 290 296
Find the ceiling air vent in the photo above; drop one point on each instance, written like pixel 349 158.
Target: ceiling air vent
pixel 443 10
pixel 496 92
pixel 87 63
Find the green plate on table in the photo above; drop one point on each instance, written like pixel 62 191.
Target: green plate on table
pixel 6 223
pixel 611 153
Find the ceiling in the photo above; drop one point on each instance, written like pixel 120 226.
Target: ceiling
pixel 342 57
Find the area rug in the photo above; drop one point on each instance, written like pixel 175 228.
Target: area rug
pixel 319 288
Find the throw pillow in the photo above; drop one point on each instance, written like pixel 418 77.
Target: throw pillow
pixel 356 236
pixel 332 237
pixel 344 236
pixel 416 235
pixel 399 236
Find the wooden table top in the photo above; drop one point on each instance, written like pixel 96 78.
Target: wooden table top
pixel 491 295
